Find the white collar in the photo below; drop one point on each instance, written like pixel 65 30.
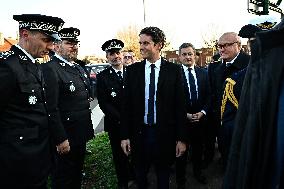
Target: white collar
pixel 64 60
pixel 26 53
pixel 232 61
pixel 118 70
pixel 157 63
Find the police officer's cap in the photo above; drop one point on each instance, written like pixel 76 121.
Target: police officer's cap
pixel 248 31
pixel 46 24
pixel 112 45
pixel 70 34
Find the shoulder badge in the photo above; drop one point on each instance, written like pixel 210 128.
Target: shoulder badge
pixel 6 54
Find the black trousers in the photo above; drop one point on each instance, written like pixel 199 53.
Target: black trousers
pixel 197 146
pixel 67 173
pixel 121 163
pixel 150 157
pixel 15 185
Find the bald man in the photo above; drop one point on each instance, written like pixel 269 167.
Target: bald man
pixel 233 60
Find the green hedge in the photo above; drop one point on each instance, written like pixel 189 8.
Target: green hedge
pixel 99 167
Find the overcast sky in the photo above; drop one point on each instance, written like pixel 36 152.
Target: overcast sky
pixel 99 20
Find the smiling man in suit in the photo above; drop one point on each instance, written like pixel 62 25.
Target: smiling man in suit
pixel 196 89
pixel 154 113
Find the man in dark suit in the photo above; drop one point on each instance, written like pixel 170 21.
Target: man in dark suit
pixel 196 87
pixel 26 128
pixel 233 59
pixel 154 113
pixel 109 88
pixel 68 86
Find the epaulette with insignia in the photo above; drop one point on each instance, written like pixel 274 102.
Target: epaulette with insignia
pixel 6 54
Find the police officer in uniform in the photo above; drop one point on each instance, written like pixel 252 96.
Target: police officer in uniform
pixel 109 87
pixel 25 132
pixel 68 82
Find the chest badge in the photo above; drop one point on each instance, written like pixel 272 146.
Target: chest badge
pixel 85 75
pixel 32 99
pixel 72 87
pixel 113 94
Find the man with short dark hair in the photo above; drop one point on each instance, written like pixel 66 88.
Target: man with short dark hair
pixel 196 88
pixel 68 88
pixel 154 114
pixel 26 124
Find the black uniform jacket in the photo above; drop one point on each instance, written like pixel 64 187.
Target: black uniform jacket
pixel 25 155
pixel 109 88
pixel 68 90
pixel 251 163
pixel 217 74
pixel 170 109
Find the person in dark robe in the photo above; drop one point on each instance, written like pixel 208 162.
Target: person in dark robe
pixel 256 156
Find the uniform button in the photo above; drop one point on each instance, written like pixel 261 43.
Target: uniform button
pixel 45 102
pixel 21 138
pixel 48 115
pixel 43 89
pixel 67 119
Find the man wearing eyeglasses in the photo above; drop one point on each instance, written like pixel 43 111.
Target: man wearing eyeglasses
pixel 233 59
pixel 128 57
pixel 68 87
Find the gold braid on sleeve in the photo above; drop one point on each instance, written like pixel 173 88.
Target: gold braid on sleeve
pixel 229 94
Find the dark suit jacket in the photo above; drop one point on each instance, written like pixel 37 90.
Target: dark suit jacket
pixel 25 130
pixel 67 88
pixel 170 109
pixel 203 91
pixel 217 73
pixel 109 89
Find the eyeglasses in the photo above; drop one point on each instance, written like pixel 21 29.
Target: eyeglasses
pixel 127 57
pixel 225 45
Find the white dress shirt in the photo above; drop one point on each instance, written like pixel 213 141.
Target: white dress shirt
pixel 147 83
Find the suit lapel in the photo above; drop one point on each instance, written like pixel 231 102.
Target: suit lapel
pixel 28 64
pixel 141 79
pixel 162 75
pixel 185 85
pixel 34 70
pixel 219 73
pixel 113 75
pixel 70 69
pixel 198 77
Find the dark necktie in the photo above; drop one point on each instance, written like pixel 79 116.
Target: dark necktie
pixel 119 73
pixel 150 116
pixel 191 80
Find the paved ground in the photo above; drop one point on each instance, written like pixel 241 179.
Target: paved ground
pixel 213 172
